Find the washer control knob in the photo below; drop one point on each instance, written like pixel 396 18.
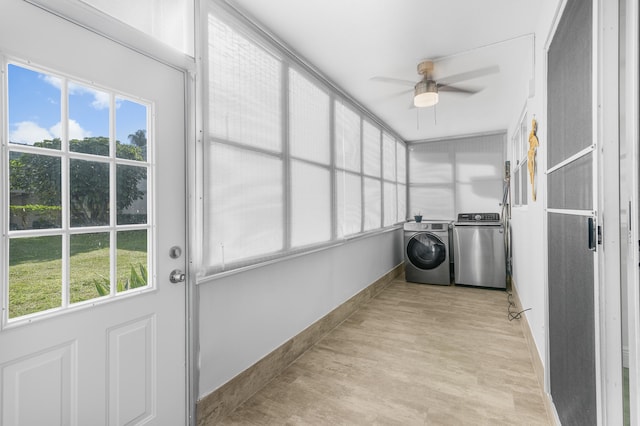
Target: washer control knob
pixel 477 217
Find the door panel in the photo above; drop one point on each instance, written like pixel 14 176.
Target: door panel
pixel 120 359
pixel 571 320
pixel 570 183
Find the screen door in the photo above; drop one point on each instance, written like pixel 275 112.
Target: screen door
pixel 571 217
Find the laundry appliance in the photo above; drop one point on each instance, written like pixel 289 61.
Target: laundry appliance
pixel 479 250
pixel 426 251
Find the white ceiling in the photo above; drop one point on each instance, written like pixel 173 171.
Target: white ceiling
pixel 351 41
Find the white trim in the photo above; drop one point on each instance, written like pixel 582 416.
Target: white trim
pixel 570 212
pixel 571 159
pixel 112 29
pixel 609 308
pixel 632 110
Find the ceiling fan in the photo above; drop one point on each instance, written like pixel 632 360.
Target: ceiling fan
pixel 425 92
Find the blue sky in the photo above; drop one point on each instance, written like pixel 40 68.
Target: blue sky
pixel 35 109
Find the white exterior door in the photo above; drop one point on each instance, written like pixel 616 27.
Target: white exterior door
pixel 93 331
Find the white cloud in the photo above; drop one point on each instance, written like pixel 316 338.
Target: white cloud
pixel 54 81
pixel 75 130
pixel 100 99
pixel 28 132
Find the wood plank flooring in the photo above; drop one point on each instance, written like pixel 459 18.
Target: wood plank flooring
pixel 414 355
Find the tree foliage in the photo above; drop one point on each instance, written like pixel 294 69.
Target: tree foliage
pixel 39 176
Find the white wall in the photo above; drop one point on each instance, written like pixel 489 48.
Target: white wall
pixel 245 316
pixel 527 224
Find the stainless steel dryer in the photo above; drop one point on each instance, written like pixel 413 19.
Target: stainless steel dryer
pixel 427 252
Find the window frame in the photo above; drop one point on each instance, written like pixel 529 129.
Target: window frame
pixel 66 230
pixel 519 149
pixel 290 62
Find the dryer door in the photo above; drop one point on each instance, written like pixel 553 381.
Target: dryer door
pixel 426 251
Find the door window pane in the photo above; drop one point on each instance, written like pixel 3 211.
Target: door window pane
pixel 131 194
pixel 89 271
pixel 89 193
pixel 34 107
pixel 35 274
pixel 131 130
pixel 88 122
pixel 132 263
pixel 34 191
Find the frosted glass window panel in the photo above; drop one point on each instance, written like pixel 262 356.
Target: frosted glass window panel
pixel 347 137
pixel 349 203
pixel 524 173
pixel 371 149
pixel 431 163
pixel 479 176
pixel 401 162
pixel 309 120
pixel 245 99
pixel 388 157
pixel 372 204
pixel 169 21
pixel 481 195
pixel 516 187
pixel 402 203
pixel 244 205
pixel 310 204
pixel 390 204
pixel 434 203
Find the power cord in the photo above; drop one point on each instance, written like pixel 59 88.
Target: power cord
pixel 512 314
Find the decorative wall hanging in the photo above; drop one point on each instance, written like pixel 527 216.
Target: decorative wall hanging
pixel 531 156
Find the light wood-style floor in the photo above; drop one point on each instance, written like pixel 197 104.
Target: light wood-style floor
pixel 414 355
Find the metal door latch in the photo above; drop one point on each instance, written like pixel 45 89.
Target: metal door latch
pixel 177 276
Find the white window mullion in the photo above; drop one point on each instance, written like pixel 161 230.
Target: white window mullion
pixel 113 204
pixel 287 217
pixel 65 198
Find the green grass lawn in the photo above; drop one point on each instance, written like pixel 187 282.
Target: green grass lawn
pixel 35 268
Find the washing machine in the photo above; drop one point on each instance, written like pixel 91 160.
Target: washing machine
pixel 426 249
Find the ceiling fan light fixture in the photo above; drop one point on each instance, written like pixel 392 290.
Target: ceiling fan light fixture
pixel 425 94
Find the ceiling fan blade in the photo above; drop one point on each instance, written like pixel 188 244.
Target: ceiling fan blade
pixel 447 88
pixel 395 95
pixel 480 72
pixel 394 81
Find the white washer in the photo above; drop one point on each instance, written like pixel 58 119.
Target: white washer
pixel 426 250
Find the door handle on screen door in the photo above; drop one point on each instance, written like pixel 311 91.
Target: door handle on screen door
pixel 592 233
